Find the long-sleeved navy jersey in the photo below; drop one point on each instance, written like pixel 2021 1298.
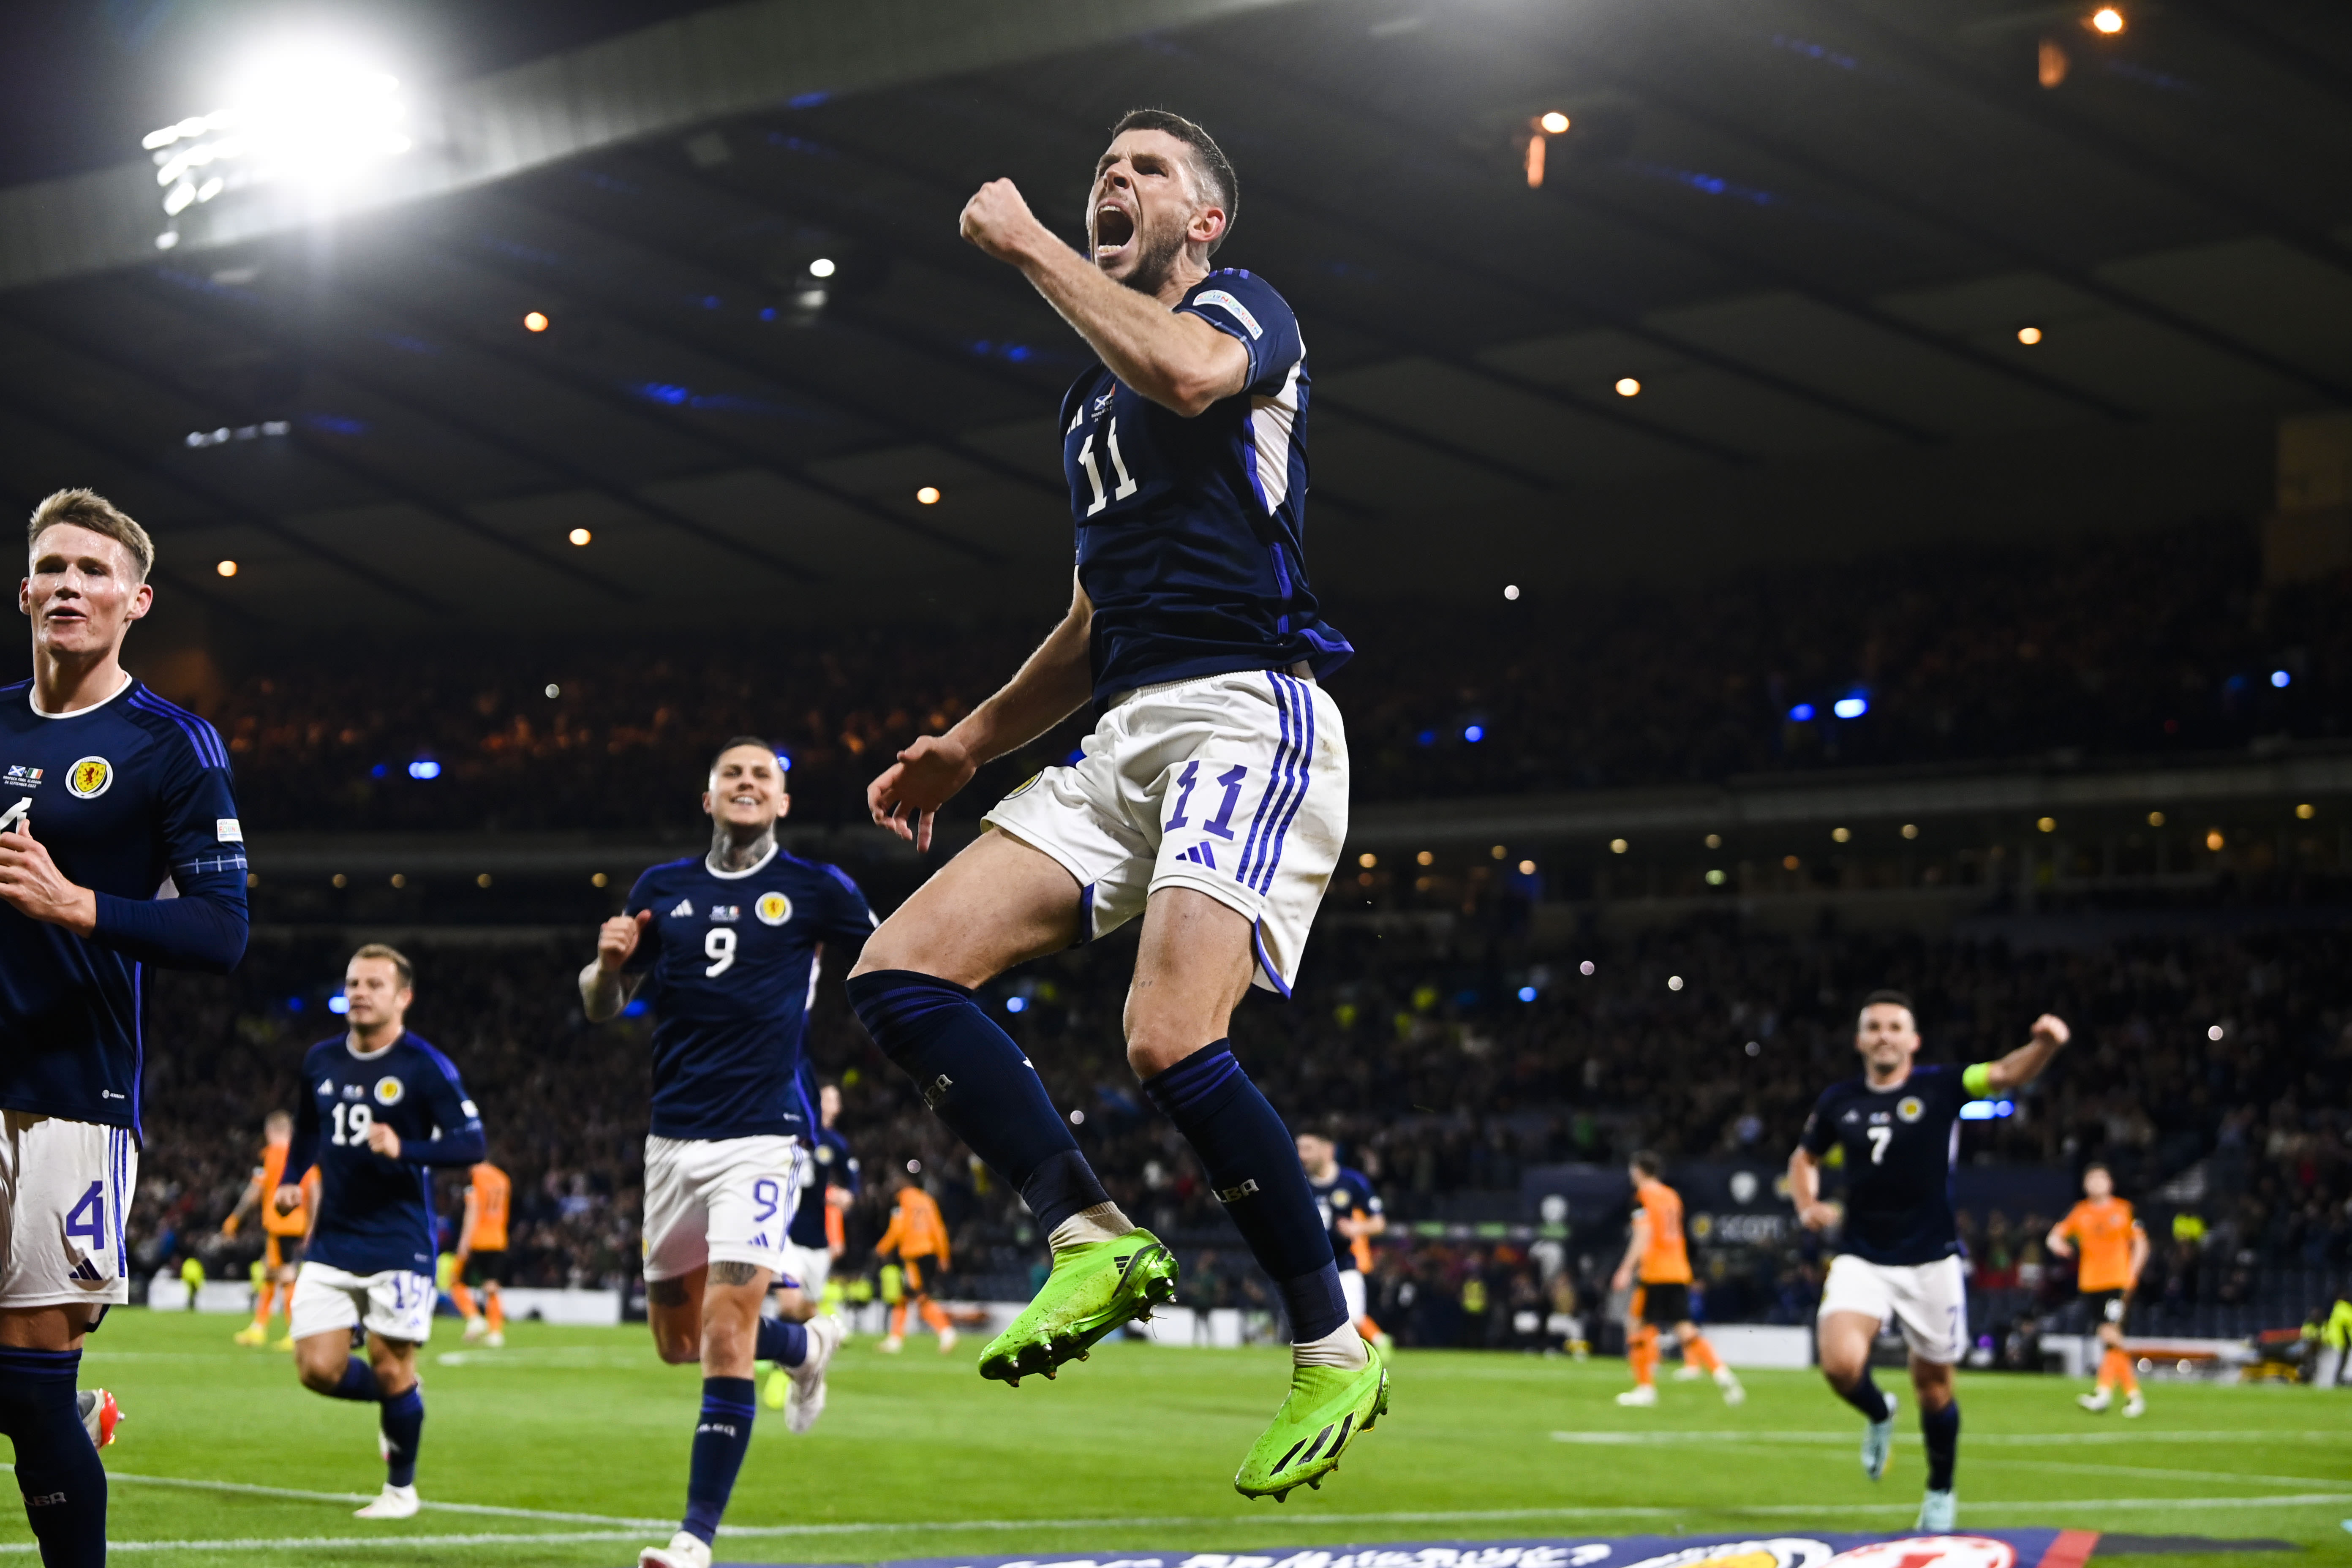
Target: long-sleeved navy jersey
pixel 132 799
pixel 375 1215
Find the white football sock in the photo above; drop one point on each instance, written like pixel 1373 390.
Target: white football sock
pixel 1104 1222
pixel 1343 1347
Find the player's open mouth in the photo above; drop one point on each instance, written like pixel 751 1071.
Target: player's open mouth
pixel 1114 227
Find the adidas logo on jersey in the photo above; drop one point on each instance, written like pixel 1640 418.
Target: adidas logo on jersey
pixel 685 909
pixel 1198 856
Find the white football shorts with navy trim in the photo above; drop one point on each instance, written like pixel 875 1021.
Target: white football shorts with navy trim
pixel 65 1194
pixel 719 1200
pixel 1233 784
pixel 1928 1301
pixel 396 1304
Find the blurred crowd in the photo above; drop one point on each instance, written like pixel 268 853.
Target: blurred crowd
pixel 2142 645
pixel 2215 1067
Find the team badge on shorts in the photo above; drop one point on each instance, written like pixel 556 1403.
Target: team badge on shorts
pixel 773 908
pixel 89 778
pixel 388 1090
pixel 1910 1107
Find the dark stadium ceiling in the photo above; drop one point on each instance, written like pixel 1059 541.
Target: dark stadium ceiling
pixel 1812 230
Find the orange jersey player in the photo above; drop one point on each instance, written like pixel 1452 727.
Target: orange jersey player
pixel 1657 1267
pixel 918 1230
pixel 282 1232
pixel 482 1252
pixel 2112 1245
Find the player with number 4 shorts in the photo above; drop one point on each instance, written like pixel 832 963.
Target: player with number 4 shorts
pixel 1897 1132
pixel 1211 799
pixel 120 853
pixel 726 948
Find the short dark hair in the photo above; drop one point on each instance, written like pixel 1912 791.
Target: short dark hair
pixel 1649 1165
pixel 2098 1165
pixel 782 766
pixel 1889 997
pixel 1209 161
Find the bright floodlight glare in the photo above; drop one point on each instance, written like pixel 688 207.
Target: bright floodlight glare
pixel 424 768
pixel 2029 336
pixel 2107 20
pixel 535 321
pixel 929 495
pixel 1016 1004
pixel 1554 122
pixel 820 267
pixel 1526 993
pixel 580 536
pixel 1510 590
pixel 1852 707
pixel 1802 713
pixel 304 112
pixel 1628 387
pixel 227 568
pixel 338 1003
pixel 2281 678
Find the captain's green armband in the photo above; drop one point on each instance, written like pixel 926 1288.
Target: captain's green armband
pixel 1978 1079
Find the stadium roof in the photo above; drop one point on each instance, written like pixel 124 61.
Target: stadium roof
pixel 1812 230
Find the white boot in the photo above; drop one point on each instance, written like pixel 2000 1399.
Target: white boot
pixel 684 1550
pixel 397 1502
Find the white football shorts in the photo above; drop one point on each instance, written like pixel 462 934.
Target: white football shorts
pixel 1233 784
pixel 810 1266
pixel 396 1304
pixel 725 1200
pixel 1351 1291
pixel 1929 1301
pixel 65 1195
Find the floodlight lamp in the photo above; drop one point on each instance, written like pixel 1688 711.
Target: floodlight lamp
pixel 1554 123
pixel 2108 20
pixel 300 113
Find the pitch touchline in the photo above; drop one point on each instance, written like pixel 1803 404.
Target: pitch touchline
pixel 300 1542
pixel 295 1494
pixel 1973 1439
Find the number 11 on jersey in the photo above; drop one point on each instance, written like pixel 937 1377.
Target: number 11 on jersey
pixel 1127 486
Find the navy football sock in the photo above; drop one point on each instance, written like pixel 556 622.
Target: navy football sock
pixel 1865 1396
pixel 57 1467
pixel 358 1383
pixel 981 1084
pixel 781 1341
pixel 403 1420
pixel 1940 1430
pixel 1253 1165
pixel 721 1439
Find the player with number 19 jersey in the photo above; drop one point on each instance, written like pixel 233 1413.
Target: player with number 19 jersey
pixel 375 1215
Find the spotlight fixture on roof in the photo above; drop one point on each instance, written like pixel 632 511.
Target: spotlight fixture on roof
pixel 929 495
pixel 2029 336
pixel 535 321
pixel 820 267
pixel 1553 123
pixel 226 568
pixel 580 536
pixel 2106 19
pixel 1628 387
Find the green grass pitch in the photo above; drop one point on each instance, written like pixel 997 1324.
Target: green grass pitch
pixel 553 1451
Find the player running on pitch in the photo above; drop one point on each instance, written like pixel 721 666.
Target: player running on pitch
pixel 282 1232
pixel 111 801
pixel 482 1254
pixel 2114 1247
pixel 725 947
pixel 1351 1212
pixel 381 1108
pixel 818 1235
pixel 918 1235
pixel 1657 1261
pixel 1899 1251
pixel 1212 798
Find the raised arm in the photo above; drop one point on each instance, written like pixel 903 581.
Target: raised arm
pixel 2023 1065
pixel 605 989
pixel 1051 683
pixel 1179 362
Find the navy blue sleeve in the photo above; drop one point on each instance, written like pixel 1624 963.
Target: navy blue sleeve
pixel 304 1151
pixel 204 927
pixel 848 917
pixel 1249 311
pixel 1821 1130
pixel 462 1142
pixel 855 1178
pixel 641 898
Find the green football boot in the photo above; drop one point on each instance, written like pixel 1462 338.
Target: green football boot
pixel 1095 1288
pixel 1327 1408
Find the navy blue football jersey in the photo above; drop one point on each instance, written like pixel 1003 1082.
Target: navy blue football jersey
pixel 731 963
pixel 375 1215
pixel 131 797
pixel 835 1166
pixel 1347 1193
pixel 1191 533
pixel 1900 1145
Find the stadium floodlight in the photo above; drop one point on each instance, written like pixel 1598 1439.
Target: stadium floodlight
pixel 304 114
pixel 1802 713
pixel 1852 707
pixel 1987 1109
pixel 424 768
pixel 338 1003
pixel 2281 678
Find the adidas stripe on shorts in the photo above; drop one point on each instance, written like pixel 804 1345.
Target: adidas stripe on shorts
pixel 1235 785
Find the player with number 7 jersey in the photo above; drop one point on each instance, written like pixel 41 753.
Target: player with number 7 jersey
pixel 726 948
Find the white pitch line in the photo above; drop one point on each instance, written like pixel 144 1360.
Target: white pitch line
pixel 2151 1473
pixel 1973 1439
pixel 305 1542
pixel 295 1494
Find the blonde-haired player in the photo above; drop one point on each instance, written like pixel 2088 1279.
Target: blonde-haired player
pixel 1657 1257
pixel 2114 1248
pixel 482 1254
pixel 282 1232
